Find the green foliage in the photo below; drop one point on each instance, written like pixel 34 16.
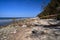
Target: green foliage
pixel 51 9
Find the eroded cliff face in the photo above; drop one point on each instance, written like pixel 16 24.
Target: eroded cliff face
pixel 52 10
pixel 32 29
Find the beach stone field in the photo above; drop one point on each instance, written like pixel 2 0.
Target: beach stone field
pixel 31 29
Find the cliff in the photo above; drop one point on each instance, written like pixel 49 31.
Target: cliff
pixel 52 10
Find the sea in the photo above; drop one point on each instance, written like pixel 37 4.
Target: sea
pixel 6 21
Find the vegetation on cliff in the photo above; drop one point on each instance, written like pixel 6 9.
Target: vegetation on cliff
pixel 52 10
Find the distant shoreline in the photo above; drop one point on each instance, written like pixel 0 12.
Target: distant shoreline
pixel 5 23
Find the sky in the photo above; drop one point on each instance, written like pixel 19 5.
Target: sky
pixel 21 8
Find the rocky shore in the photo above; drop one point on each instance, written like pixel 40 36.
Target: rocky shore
pixel 31 29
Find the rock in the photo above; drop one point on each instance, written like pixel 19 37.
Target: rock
pixel 53 22
pixel 43 22
pixel 49 22
pixel 24 25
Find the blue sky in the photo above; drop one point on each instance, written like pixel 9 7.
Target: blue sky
pixel 21 8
